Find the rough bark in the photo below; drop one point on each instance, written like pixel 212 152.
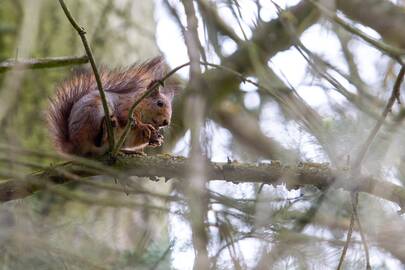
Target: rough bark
pixel 166 166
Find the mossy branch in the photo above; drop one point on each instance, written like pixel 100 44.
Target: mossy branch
pixel 167 166
pixel 38 63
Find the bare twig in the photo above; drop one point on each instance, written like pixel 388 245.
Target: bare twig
pixel 346 246
pixel 353 75
pixel 394 96
pixel 38 63
pixel 356 167
pixel 355 202
pixel 82 33
pixel 175 15
pixel 210 13
pixel 387 18
pixel 393 52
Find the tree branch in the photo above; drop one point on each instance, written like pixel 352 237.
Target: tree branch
pixel 196 189
pixel 392 51
pixel 394 96
pixel 38 63
pixel 166 166
pixel 383 16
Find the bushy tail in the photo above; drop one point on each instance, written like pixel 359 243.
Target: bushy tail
pixel 67 94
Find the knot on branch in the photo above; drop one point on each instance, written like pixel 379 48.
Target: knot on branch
pixel 81 31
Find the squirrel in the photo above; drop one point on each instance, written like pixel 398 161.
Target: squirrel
pixel 76 118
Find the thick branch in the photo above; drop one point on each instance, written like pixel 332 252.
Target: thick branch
pixel 383 16
pixel 167 166
pixel 49 62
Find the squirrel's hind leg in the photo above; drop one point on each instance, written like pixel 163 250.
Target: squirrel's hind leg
pixel 87 126
pixel 101 144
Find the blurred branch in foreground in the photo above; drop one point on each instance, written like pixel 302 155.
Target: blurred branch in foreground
pixel 196 190
pixel 383 16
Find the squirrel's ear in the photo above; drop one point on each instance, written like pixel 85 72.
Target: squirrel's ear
pixel 170 90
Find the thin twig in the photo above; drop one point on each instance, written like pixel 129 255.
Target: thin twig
pixel 392 51
pixel 82 33
pixel 355 202
pixel 356 167
pixel 211 14
pixel 394 96
pixel 348 237
pixel 353 75
pixel 238 17
pixel 175 15
pixel 38 63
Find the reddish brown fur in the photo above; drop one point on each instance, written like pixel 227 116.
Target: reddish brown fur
pixel 68 92
pixel 75 133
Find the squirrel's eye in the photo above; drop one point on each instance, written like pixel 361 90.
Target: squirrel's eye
pixel 160 103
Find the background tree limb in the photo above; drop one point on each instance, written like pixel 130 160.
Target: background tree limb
pixel 38 63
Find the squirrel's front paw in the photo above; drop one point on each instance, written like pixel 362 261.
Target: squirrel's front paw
pixel 156 139
pixel 145 132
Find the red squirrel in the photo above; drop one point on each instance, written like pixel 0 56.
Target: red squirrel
pixel 76 118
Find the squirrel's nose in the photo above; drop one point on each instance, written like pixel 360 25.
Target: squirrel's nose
pixel 165 123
